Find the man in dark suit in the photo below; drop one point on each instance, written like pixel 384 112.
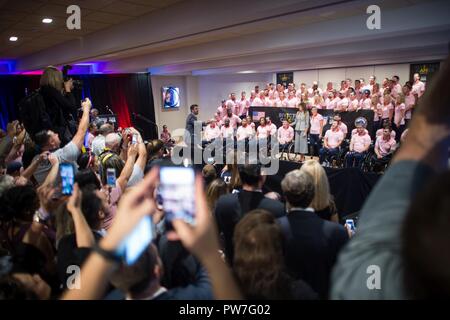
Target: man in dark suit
pixel 231 208
pixel 312 244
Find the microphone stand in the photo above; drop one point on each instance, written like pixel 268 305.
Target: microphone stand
pixel 145 119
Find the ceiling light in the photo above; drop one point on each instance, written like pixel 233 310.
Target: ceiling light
pixel 13 38
pixel 247 71
pixel 47 20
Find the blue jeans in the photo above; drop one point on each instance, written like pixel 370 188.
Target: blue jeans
pixel 315 143
pixel 326 153
pixel 354 159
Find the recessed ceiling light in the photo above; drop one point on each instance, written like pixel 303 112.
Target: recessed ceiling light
pixel 247 71
pixel 47 20
pixel 13 38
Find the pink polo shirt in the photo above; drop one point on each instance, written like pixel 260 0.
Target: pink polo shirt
pixel 342 105
pixel 292 103
pixel 379 133
pixel 385 147
pixel 280 103
pixel 234 120
pixel 334 138
pixel 360 143
pixel 409 102
pixel 243 106
pixel 263 132
pixel 385 109
pixel 257 102
pixel 315 124
pixel 227 132
pixel 285 135
pixel 333 103
pixel 352 105
pixel 365 104
pixel 418 88
pixel 355 131
pixel 398 114
pixel 211 133
pixel 377 112
pixel 343 128
pixel 243 133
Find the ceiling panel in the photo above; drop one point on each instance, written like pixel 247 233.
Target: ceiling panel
pixel 129 9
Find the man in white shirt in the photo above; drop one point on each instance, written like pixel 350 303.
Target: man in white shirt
pixel 314 90
pixel 227 131
pixel 243 105
pixel 234 119
pixel 285 134
pixel 397 88
pixel 418 86
pixel 98 144
pixel 223 109
pixel 270 126
pixel 331 142
pixel 212 131
pixel 342 104
pixel 231 103
pixel 245 131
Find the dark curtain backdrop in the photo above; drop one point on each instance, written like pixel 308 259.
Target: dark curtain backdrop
pixel 126 95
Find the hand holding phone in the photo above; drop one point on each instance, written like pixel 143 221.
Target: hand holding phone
pixel 67 174
pixel 111 177
pixel 350 225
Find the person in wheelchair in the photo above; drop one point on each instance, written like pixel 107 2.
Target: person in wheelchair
pixel 359 144
pixel 285 135
pixel 331 143
pixel 384 148
pixel 211 133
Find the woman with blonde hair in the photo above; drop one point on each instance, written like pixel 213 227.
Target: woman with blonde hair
pixel 323 203
pixel 215 189
pixel 301 127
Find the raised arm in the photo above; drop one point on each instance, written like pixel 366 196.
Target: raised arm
pixel 128 168
pixel 78 139
pixel 83 233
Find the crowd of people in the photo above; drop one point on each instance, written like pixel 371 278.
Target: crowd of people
pixel 244 244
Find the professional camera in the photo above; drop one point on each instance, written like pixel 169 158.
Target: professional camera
pixel 77 84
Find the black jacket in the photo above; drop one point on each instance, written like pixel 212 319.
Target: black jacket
pixel 312 247
pixel 230 208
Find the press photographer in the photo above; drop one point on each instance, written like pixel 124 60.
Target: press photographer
pixel 52 106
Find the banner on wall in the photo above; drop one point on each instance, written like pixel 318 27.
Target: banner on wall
pixel 425 70
pixel 277 115
pixel 285 78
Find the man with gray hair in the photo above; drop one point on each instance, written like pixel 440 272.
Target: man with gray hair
pixel 98 144
pixel 312 244
pixel 112 142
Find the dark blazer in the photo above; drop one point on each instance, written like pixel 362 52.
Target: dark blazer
pixel 312 248
pixel 231 208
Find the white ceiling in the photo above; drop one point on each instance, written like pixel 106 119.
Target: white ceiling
pixel 208 37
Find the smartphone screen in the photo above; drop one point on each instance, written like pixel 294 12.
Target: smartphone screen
pixel 177 190
pixel 135 139
pixel 137 241
pixel 86 140
pixel 351 225
pixel 111 177
pixel 67 178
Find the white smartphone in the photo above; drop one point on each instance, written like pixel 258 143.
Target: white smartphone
pixel 351 225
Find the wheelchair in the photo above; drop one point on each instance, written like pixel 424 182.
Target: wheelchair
pixel 288 152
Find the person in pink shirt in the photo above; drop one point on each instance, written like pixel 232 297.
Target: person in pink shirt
pixel 410 102
pixel 317 101
pixel 226 131
pixel 359 145
pixel 243 105
pixel 384 148
pixel 252 97
pixel 366 102
pixel 328 90
pixel 376 108
pixel 387 109
pixel 223 109
pixel 418 86
pixel 396 86
pixel 218 119
pixel 231 103
pixel 271 127
pixel 245 131
pixel 281 101
pixel 314 90
pixel 292 101
pixel 285 135
pixel 234 119
pixel 342 104
pixel 334 102
pixel 342 126
pixel 353 102
pixel 212 132
pixel 259 100
pixel 315 132
pixel 251 123
pixel 327 101
pixel 262 133
pixel 331 143
pixel 399 115
pixel 386 125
